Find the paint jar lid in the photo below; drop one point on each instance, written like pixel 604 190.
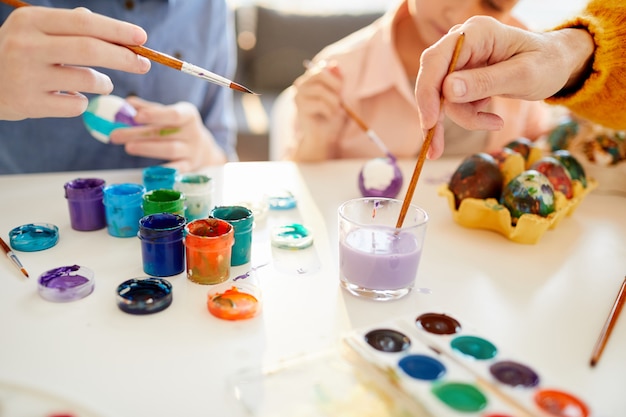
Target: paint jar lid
pixel 281 200
pixel 34 237
pixel 234 301
pixel 291 236
pixel 66 283
pixel 144 295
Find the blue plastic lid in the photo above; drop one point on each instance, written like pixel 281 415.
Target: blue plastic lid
pixel 34 237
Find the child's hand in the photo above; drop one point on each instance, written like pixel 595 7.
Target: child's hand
pixel 319 113
pixel 175 133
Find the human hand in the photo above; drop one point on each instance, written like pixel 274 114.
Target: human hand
pixel 175 133
pixel 48 55
pixel 495 60
pixel 319 112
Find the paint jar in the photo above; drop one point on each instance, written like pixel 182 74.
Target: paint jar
pixel 84 199
pixel 208 244
pixel 159 177
pixel 242 220
pixel 122 204
pixel 164 201
pixel 198 191
pixel 162 247
pixel 377 260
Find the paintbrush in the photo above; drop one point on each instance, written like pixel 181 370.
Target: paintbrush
pixel 366 129
pixel 429 137
pixel 13 257
pixel 609 324
pixel 168 61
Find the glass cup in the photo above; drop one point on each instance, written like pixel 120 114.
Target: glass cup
pixel 376 260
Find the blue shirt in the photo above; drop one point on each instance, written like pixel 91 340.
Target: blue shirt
pixel 200 32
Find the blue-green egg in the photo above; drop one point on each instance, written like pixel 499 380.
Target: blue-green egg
pixel 106 113
pixel 529 193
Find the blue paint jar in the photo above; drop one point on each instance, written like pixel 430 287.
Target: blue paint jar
pixel 122 207
pixel 84 199
pixel 242 220
pixel 162 247
pixel 159 177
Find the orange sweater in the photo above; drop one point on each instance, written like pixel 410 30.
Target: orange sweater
pixel 601 97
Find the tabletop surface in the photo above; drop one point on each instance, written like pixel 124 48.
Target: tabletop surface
pixel 543 303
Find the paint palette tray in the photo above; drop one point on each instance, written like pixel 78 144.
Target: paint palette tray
pixel 322 384
pixel 442 368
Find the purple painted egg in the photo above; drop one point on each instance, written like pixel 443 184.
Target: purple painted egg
pixel 380 177
pixel 530 192
pixel 478 176
pixel 522 146
pixel 575 169
pixel 556 173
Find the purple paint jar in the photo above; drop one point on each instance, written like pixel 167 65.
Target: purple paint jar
pixel 66 283
pixel 85 202
pixel 162 247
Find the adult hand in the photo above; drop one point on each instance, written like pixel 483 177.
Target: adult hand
pixel 319 113
pixel 495 60
pixel 47 55
pixel 175 133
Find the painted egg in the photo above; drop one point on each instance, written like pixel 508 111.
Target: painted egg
pixel 478 176
pixel 502 154
pixel 605 150
pixel 380 177
pixel 556 173
pixel 530 192
pixel 107 113
pixel 522 146
pixel 575 169
pixel 561 136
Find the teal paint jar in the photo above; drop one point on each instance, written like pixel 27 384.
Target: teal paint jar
pixel 159 177
pixel 242 220
pixel 122 206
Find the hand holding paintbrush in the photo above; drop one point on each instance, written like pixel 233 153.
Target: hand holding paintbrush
pixel 49 55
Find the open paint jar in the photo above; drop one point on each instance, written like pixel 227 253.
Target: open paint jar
pixel 66 283
pixel 144 295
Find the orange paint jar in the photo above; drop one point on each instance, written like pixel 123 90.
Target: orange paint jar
pixel 208 244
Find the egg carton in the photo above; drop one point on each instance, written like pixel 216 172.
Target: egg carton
pixel 489 214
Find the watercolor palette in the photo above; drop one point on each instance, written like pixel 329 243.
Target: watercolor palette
pixel 445 368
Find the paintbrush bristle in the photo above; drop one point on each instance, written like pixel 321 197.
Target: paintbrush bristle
pixel 241 88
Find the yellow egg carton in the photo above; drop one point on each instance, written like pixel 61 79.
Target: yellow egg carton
pixel 489 214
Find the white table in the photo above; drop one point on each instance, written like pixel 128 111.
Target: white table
pixel 544 303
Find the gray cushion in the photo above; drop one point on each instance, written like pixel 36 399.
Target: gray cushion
pixel 284 40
